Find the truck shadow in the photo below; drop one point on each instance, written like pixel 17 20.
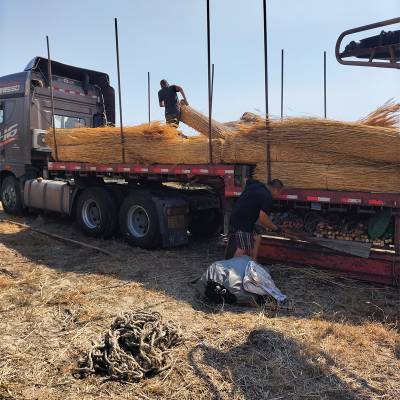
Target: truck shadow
pixel 316 294
pixel 270 365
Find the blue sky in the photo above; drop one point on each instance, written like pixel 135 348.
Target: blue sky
pixel 168 38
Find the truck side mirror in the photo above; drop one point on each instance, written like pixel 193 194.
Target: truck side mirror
pixel 1 113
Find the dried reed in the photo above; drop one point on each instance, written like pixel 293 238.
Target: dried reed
pixel 371 143
pixel 148 144
pixel 355 177
pixel 199 122
pixel 387 116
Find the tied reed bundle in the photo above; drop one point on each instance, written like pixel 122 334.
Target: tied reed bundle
pixel 372 143
pixel 148 144
pixel 199 122
pixel 355 177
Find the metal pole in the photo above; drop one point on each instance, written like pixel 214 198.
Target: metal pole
pixel 282 77
pixel 325 84
pixel 51 97
pixel 119 92
pixel 148 95
pixel 209 83
pixel 212 86
pixel 266 88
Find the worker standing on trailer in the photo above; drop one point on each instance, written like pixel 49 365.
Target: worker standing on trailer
pixel 253 205
pixel 168 98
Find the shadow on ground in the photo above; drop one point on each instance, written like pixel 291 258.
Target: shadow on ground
pixel 315 293
pixel 270 365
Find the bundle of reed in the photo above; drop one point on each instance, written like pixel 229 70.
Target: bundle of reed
pixel 180 150
pixel 199 122
pixel 241 149
pixel 355 177
pixel 387 116
pixel 371 143
pixel 290 153
pixel 294 175
pixel 149 144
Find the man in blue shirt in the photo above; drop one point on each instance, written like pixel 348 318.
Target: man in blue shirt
pixel 253 205
pixel 168 98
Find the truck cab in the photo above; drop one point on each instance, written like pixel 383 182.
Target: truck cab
pixel 82 98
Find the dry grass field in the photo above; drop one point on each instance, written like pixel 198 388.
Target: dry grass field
pixel 342 341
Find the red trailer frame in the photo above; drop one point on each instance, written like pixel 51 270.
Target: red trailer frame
pixel 383 266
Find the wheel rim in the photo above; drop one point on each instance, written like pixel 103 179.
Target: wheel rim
pixel 138 221
pixel 9 196
pixel 91 214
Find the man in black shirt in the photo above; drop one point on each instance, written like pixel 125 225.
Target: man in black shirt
pixel 168 98
pixel 253 205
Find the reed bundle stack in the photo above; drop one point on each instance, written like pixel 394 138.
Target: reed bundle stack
pixel 147 144
pixel 199 122
pixel 355 177
pixel 304 152
pixel 372 143
pixel 323 154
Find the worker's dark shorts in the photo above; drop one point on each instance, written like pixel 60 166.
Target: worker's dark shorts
pixel 239 240
pixel 172 119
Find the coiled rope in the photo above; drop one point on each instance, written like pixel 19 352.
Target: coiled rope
pixel 137 345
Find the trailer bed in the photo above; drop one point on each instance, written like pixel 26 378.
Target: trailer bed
pixel 381 267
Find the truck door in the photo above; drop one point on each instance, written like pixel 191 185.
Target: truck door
pixel 13 150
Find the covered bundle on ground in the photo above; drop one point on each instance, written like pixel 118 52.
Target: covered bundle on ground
pixel 148 144
pixel 199 122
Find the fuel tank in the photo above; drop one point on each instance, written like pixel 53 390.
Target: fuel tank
pixel 48 195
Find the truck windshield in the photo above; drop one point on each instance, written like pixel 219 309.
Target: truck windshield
pixel 61 121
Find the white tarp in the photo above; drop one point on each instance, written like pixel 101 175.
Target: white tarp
pixel 242 277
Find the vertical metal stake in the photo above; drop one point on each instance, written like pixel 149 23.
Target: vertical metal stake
pixel 212 86
pixel 209 82
pixel 282 77
pixel 266 89
pixel 119 92
pixel 51 98
pixel 325 84
pixel 148 95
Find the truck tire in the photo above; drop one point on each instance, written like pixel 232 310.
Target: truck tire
pixel 11 196
pixel 139 221
pixel 205 223
pixel 96 213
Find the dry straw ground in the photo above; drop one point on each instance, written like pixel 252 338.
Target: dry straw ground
pixel 341 342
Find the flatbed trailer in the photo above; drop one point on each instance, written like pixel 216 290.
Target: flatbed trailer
pixel 383 266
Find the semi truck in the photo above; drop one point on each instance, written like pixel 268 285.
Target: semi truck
pixel 133 200
pixel 156 205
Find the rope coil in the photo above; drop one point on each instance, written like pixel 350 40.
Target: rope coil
pixel 136 345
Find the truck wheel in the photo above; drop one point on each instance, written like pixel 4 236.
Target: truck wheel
pixel 11 196
pixel 205 222
pixel 139 221
pixel 96 212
